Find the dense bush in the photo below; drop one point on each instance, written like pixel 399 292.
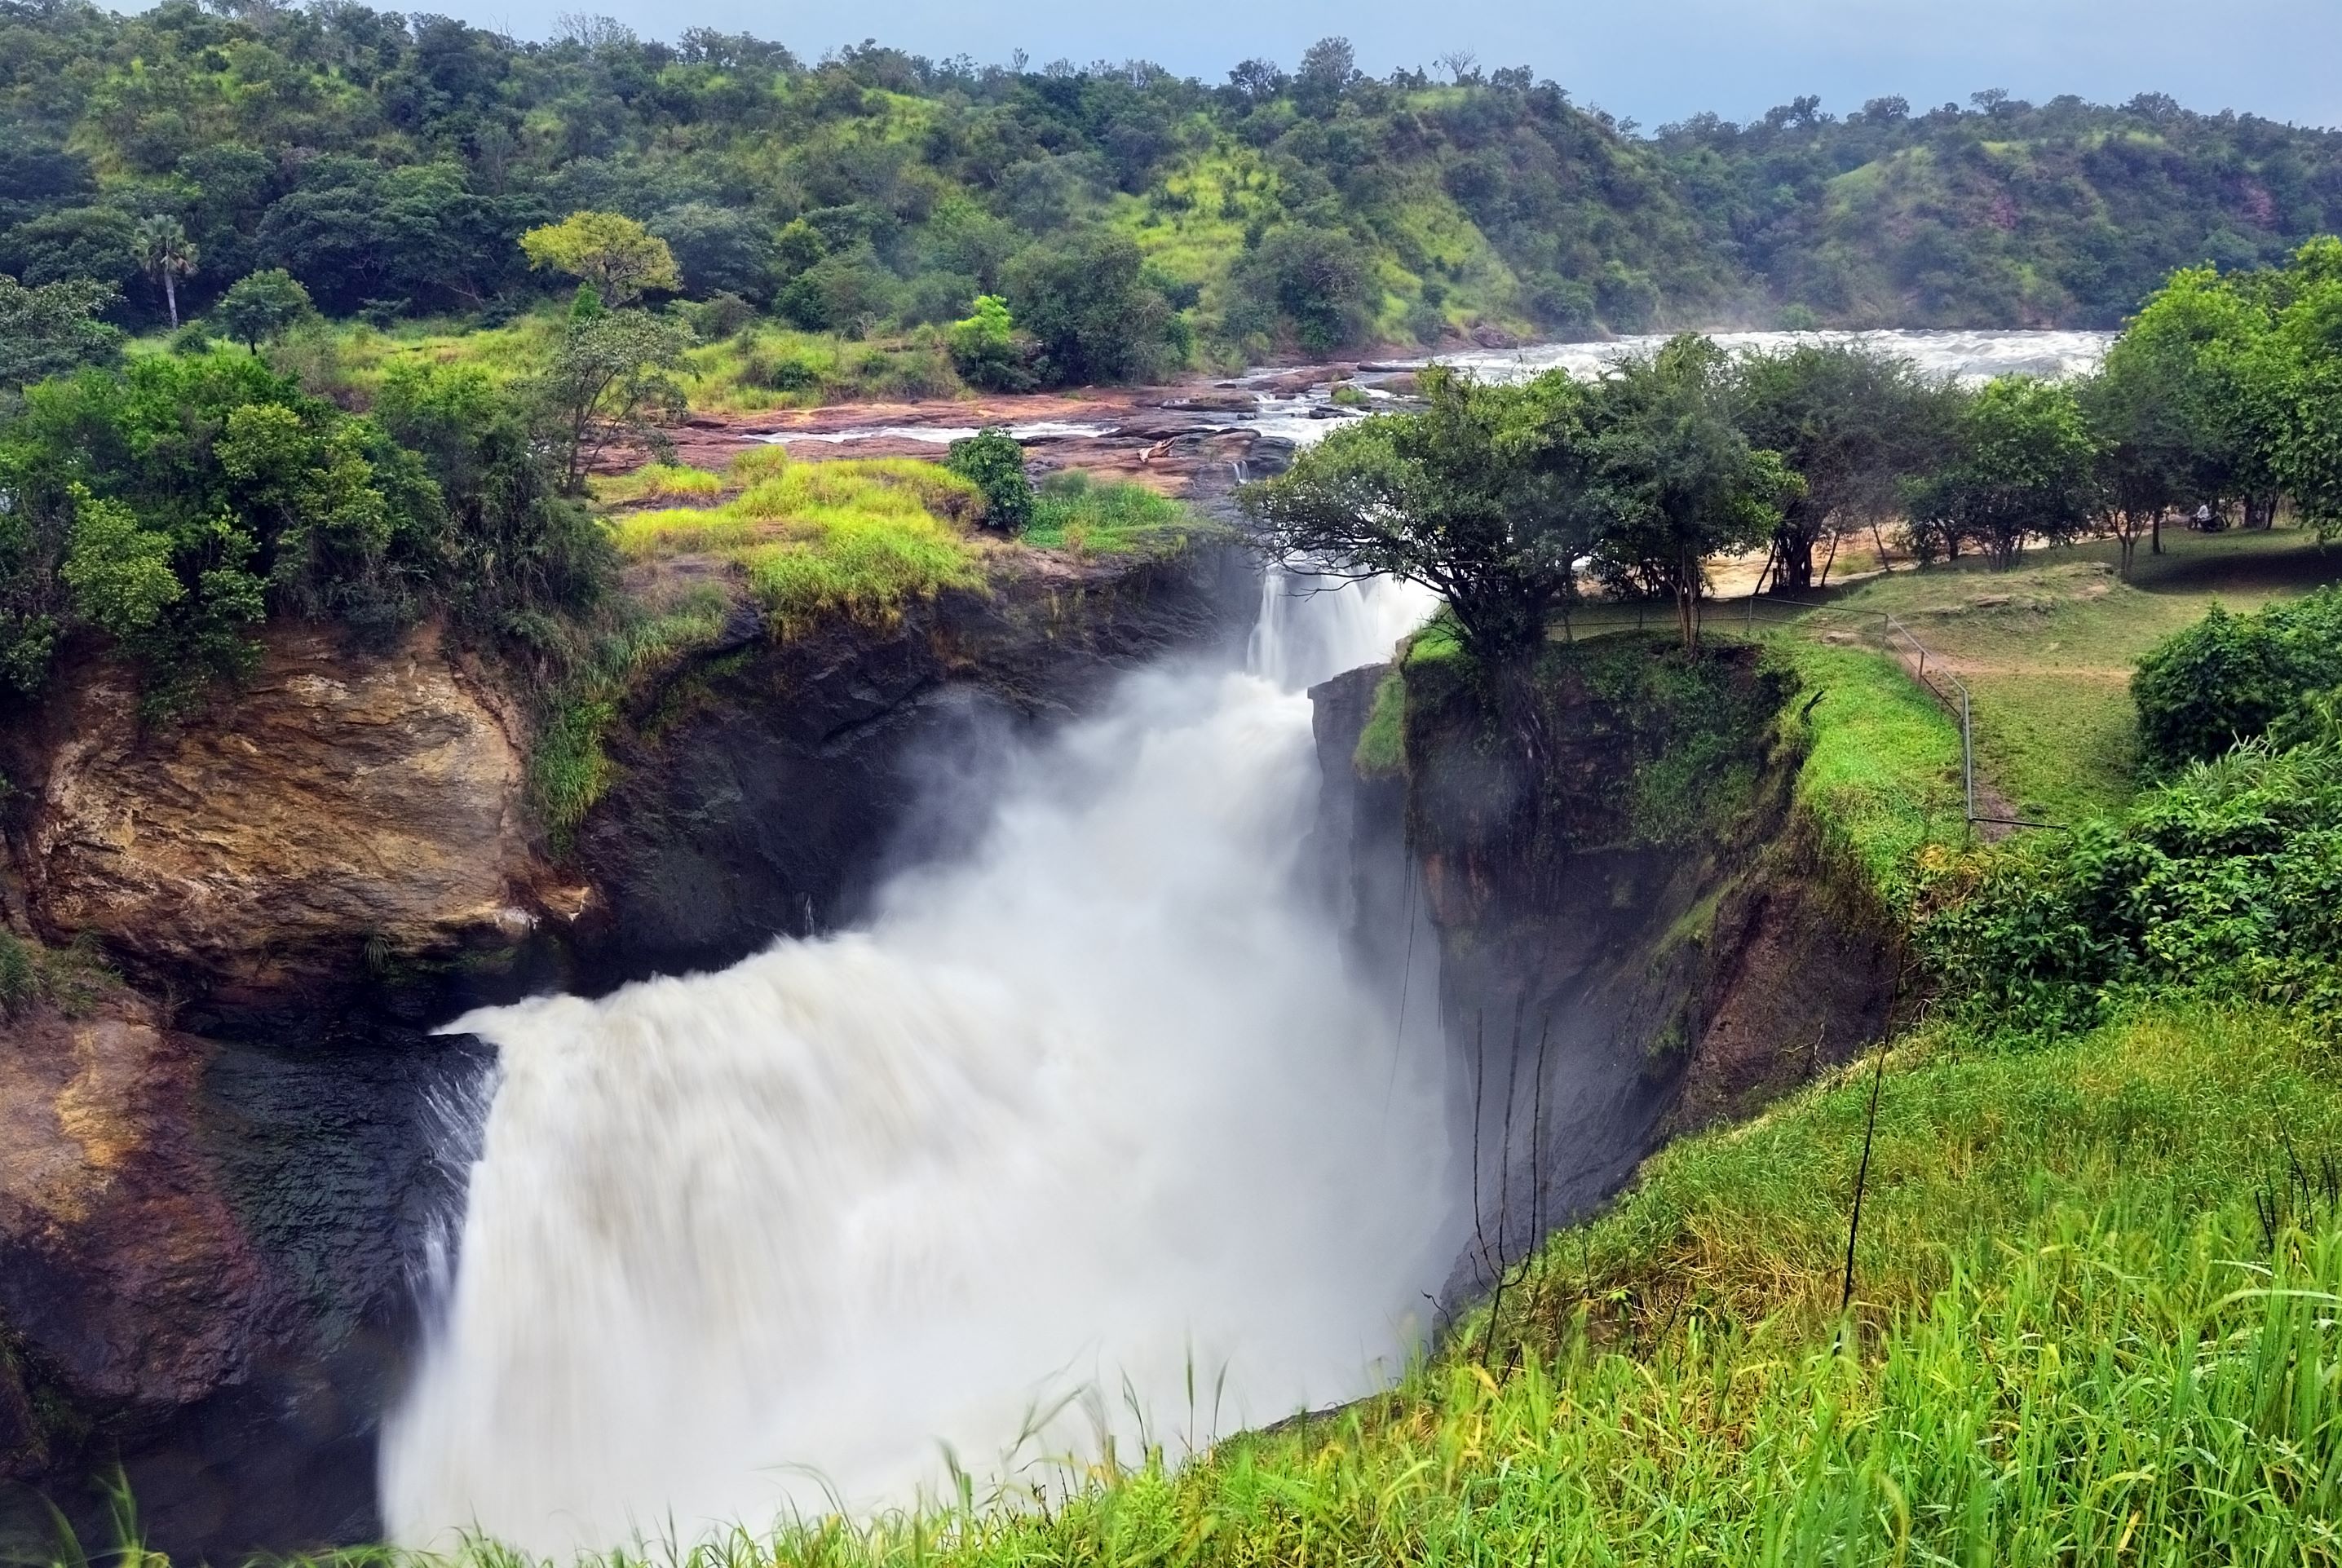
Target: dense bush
pixel 2228 677
pixel 993 462
pixel 2229 878
pixel 169 506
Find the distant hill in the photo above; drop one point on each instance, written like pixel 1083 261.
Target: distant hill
pixel 391 164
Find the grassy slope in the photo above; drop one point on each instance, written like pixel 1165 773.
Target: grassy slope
pixel 2047 649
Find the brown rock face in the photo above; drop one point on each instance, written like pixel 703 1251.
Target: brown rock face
pixel 334 803
pixel 123 1267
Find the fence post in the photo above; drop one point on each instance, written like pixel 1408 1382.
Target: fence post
pixel 1967 757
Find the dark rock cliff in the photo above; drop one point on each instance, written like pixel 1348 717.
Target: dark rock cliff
pixel 1637 938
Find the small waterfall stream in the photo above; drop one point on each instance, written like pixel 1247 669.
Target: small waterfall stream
pixel 1089 1136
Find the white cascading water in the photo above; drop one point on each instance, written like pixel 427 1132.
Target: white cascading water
pixel 1091 1132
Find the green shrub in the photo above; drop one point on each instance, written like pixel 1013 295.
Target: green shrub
pixel 2227 880
pixel 993 462
pixel 2228 677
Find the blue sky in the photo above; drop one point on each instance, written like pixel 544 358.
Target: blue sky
pixel 1654 61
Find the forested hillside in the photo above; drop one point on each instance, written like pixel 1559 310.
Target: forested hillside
pixel 391 164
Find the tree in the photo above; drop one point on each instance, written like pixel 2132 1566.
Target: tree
pixel 985 349
pixel 1088 305
pixel 993 462
pixel 2185 396
pixel 166 255
pixel 2293 382
pixel 610 378
pixel 2139 449
pixel 53 328
pixel 262 305
pixel 519 548
pixel 1851 423
pixel 1305 283
pixel 1481 497
pixel 1678 480
pixel 618 255
pixel 2024 471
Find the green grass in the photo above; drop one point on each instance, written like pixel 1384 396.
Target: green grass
pixel 855 538
pixel 1381 751
pixel 1105 518
pixel 765 365
pixel 1881 778
pixel 2046 649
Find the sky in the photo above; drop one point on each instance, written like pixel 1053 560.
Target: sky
pixel 1651 60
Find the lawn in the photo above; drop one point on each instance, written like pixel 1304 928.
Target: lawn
pixel 2046 649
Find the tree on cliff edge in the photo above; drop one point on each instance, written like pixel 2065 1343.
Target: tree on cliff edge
pixel 1482 497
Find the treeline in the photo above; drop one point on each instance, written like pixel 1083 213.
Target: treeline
pixel 2222 399
pixel 389 164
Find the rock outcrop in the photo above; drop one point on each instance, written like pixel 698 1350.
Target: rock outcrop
pixel 336 806
pixel 1638 935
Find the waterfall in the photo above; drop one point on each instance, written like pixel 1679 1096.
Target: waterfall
pixel 1090 1137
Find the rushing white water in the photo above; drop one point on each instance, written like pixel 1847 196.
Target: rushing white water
pixel 1096 1122
pixel 1968 355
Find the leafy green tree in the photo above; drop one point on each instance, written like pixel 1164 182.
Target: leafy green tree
pixel 611 377
pixel 519 551
pixel 1308 284
pixel 1483 497
pixel 1678 481
pixel 1089 305
pixel 53 328
pixel 262 305
pixel 1853 424
pixel 2293 385
pixel 2024 471
pixel 620 257
pixel 994 462
pixel 165 254
pixel 985 349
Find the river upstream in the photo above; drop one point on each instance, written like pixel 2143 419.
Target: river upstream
pixel 1089 1136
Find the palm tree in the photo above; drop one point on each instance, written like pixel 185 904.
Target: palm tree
pixel 167 254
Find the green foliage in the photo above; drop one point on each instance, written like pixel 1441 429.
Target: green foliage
pixel 2020 469
pixel 1677 480
pixel 1483 497
pixel 20 977
pixel 2228 678
pixel 619 257
pixel 2226 878
pixel 53 328
pixel 993 462
pixel 218 473
pixel 1109 517
pixel 262 305
pixel 1304 286
pixel 610 377
pixel 1854 423
pixel 985 349
pixel 1094 315
pixel 1381 751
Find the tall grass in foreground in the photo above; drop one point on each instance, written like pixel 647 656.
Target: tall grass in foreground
pixel 2096 1320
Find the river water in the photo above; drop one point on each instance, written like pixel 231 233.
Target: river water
pixel 1090 1136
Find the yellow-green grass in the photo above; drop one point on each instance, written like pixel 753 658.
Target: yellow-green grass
pixel 1108 517
pixel 2073 1341
pixel 2047 649
pixel 654 481
pixel 857 538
